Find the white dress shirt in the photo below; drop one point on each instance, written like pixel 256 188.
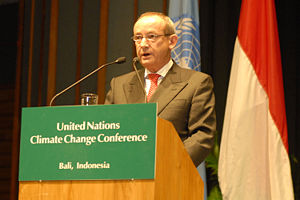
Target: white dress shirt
pixel 162 72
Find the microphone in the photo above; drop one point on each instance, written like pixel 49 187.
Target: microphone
pixel 134 61
pixel 120 60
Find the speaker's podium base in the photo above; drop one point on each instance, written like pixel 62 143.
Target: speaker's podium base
pixel 176 178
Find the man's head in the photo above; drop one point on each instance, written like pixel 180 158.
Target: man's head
pixel 155 37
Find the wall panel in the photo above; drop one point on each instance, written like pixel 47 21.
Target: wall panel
pixel 121 18
pixel 44 61
pixel 37 51
pixel 66 50
pixel 90 37
pixel 154 5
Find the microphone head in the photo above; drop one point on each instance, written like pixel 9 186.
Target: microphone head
pixel 120 60
pixel 136 59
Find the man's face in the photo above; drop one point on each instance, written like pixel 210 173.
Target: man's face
pixel 153 55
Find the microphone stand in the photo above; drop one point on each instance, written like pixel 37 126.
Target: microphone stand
pixel 136 59
pixel 118 61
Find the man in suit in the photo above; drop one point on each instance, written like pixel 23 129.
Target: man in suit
pixel 184 97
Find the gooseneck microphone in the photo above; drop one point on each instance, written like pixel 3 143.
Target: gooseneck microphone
pixel 134 61
pixel 120 60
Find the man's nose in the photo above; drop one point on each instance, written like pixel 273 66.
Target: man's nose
pixel 144 42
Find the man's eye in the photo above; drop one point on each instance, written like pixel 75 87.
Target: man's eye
pixel 138 37
pixel 151 36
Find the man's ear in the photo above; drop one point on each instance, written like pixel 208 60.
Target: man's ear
pixel 173 41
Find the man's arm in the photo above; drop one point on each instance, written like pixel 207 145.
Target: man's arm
pixel 201 122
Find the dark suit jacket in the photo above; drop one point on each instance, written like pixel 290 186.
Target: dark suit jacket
pixel 185 98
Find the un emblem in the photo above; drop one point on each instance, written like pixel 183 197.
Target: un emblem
pixel 187 50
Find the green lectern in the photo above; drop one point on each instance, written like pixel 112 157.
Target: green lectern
pixel 103 152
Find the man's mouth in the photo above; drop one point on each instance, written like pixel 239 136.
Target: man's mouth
pixel 146 54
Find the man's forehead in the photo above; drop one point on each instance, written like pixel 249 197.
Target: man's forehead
pixel 149 20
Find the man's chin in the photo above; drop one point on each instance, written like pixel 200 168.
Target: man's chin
pixel 145 58
pixel 146 63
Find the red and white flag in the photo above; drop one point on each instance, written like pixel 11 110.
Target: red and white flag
pixel 254 162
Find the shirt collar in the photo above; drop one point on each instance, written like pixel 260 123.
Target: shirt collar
pixel 163 71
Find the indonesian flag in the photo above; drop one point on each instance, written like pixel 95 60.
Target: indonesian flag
pixel 254 162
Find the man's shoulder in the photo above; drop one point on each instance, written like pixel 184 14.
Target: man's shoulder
pixel 190 73
pixel 126 76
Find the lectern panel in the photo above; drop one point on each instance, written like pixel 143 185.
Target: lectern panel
pixel 103 142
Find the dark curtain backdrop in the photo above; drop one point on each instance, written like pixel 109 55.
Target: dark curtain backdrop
pixel 218 27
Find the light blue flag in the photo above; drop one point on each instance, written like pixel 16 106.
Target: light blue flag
pixel 185 15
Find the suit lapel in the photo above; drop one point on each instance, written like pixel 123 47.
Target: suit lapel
pixel 133 90
pixel 168 89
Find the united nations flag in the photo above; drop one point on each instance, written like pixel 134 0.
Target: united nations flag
pixel 185 15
